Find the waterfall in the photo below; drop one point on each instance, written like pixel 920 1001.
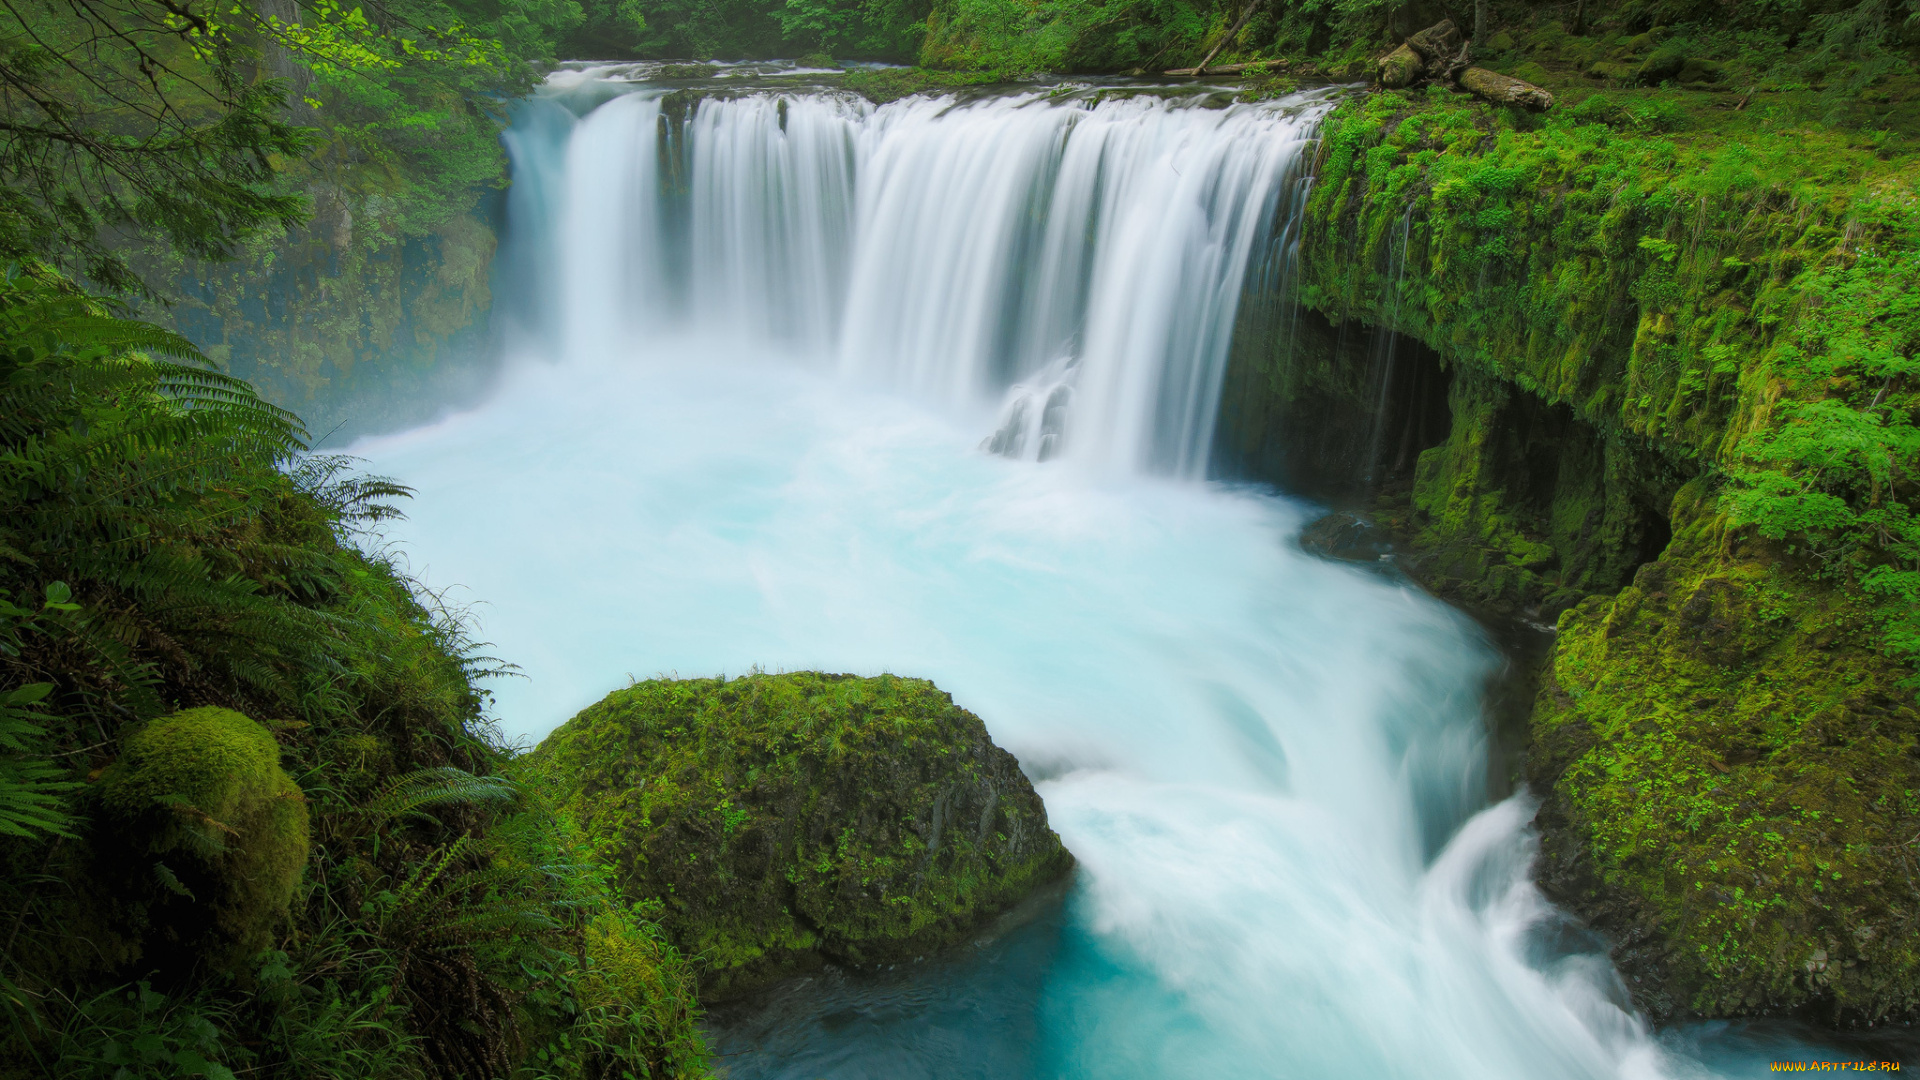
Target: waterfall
pixel 775 349
pixel 1074 262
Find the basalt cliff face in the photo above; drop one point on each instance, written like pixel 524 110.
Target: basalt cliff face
pixel 1589 372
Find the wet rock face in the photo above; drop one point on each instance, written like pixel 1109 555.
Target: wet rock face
pixel 780 821
pixel 1728 768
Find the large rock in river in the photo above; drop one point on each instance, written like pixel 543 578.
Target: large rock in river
pixel 782 820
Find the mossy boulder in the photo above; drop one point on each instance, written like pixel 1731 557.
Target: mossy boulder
pixel 1667 62
pixel 1731 775
pixel 1399 68
pixel 198 816
pixel 779 821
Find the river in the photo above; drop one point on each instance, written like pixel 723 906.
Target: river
pixel 797 382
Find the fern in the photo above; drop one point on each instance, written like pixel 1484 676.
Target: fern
pixel 412 794
pixel 32 790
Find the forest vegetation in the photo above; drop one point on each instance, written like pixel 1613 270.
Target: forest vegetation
pixel 300 192
pixel 253 817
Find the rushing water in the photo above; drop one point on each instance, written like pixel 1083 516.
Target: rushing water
pixel 788 368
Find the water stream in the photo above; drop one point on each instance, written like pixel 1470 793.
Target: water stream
pixel 929 388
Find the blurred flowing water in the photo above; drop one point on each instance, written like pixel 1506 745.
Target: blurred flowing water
pixel 928 388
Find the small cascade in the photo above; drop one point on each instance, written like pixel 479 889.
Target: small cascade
pixel 960 253
pixel 1381 368
pixel 609 222
pixel 1033 421
pixel 772 197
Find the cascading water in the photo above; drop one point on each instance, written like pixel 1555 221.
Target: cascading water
pixel 775 347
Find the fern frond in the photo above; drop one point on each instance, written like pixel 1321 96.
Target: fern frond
pixel 33 791
pixel 423 789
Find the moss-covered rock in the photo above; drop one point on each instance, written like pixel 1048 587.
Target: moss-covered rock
pixel 782 820
pixel 1733 786
pixel 215 828
pixel 1641 336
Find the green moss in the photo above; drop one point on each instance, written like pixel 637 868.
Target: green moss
pixel 1733 778
pixel 201 793
pixel 358 323
pixel 1659 313
pixel 779 819
pixel 881 85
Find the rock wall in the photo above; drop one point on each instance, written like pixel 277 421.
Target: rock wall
pixel 353 327
pixel 1723 742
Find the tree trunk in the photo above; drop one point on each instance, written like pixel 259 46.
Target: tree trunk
pixel 1503 90
pixel 1231 32
pixel 1479 22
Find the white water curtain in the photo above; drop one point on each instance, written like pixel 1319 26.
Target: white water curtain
pixel 1077 262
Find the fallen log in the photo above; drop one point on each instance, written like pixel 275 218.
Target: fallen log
pixel 1224 69
pixel 1232 33
pixel 1504 90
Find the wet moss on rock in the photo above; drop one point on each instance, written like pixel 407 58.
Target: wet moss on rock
pixel 199 815
pixel 1732 782
pixel 779 821
pixel 1724 743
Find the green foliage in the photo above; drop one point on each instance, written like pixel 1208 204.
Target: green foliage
pixel 893 822
pixel 194 570
pixel 1713 295
pixel 32 789
pixel 139 1031
pixel 865 29
pixel 1833 472
pixel 1012 38
pixel 141 116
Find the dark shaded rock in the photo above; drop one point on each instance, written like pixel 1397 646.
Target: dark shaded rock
pixel 1726 762
pixel 1348 537
pixel 1438 44
pixel 779 821
pixel 1697 70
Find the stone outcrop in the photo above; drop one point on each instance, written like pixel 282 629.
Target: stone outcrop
pixel 203 830
pixel 1400 67
pixel 782 821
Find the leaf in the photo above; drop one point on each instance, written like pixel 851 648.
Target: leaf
pixel 30 693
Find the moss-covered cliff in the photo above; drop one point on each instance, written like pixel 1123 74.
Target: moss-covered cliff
pixel 778 820
pixel 1732 783
pixel 1673 325
pixel 358 323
